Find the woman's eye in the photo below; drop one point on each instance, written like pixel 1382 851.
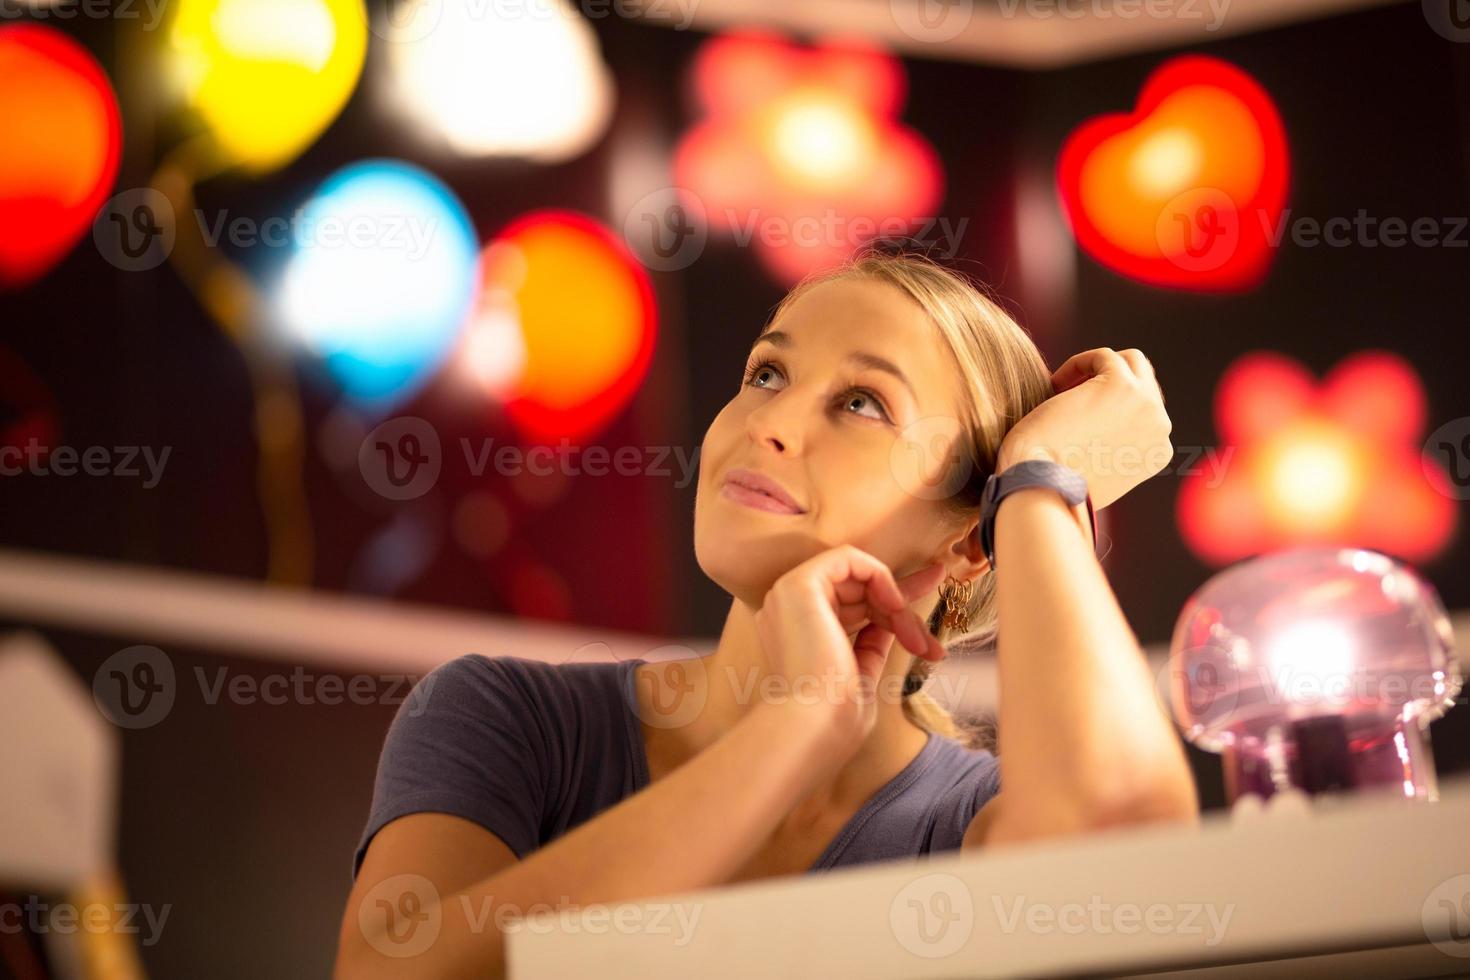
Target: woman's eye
pixel 760 370
pixel 861 394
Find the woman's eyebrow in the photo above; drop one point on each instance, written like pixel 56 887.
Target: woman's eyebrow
pixel 781 339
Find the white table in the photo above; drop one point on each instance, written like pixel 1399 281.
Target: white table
pixel 1352 889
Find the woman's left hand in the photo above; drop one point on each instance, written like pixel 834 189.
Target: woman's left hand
pixel 1106 420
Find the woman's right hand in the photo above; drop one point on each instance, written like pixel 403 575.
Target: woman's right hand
pixel 804 626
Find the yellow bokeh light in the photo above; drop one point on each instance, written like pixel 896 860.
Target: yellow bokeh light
pixel 267 76
pixel 1315 477
pixel 1166 163
pixel 819 138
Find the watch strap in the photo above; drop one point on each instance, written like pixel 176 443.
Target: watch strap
pixel 1030 473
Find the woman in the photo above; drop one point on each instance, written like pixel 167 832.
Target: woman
pixel 837 502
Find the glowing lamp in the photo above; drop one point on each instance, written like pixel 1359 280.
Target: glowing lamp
pixel 267 76
pixel 381 278
pixel 1336 462
pixel 1184 191
pixel 1315 670
pixel 522 80
pixel 60 142
pixel 565 328
pixel 800 151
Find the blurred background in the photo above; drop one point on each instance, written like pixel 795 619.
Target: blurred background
pixel 339 338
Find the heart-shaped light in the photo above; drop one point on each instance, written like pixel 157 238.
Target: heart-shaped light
pixel 60 141
pixel 1187 190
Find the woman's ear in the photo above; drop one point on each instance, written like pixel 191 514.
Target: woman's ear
pixel 965 558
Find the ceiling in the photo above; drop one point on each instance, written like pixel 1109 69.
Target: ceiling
pixel 1035 34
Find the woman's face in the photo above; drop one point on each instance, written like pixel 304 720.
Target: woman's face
pixel 848 403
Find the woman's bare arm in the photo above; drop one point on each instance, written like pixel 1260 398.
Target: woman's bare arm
pixel 692 829
pixel 1086 742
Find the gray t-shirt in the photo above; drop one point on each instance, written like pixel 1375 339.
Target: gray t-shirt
pixel 529 750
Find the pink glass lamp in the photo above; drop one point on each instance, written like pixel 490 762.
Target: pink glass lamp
pixel 1315 669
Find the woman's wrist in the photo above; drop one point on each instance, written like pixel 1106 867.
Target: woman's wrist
pixel 1010 455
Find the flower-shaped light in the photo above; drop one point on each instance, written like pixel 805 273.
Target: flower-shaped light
pixel 1300 463
pixel 800 151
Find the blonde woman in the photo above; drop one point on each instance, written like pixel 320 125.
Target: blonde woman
pixel 853 562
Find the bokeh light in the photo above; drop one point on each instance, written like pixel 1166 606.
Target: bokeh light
pixel 1182 191
pixel 267 76
pixel 1300 465
pixel 60 143
pixel 800 152
pixel 566 325
pixel 381 278
pixel 525 79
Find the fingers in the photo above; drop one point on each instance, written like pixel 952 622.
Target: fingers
pixel 1142 367
pixel 871 649
pixel 863 588
pixel 1087 364
pixel 921 582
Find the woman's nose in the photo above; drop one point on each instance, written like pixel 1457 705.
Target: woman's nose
pixel 777 424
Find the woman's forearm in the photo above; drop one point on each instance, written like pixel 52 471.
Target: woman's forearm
pixel 691 829
pixel 1083 733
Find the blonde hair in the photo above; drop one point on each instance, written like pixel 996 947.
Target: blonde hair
pixel 1007 377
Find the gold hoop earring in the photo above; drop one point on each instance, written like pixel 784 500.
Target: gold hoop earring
pixel 957 603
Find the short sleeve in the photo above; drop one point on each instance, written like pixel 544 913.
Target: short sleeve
pixel 465 741
pixel 958 806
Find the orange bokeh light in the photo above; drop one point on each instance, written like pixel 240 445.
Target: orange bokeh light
pixel 1183 191
pixel 799 152
pixel 62 138
pixel 1304 464
pixel 566 326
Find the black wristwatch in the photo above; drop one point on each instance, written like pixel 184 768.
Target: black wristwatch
pixel 1030 473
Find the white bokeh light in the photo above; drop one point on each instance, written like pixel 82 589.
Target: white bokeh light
pixel 523 80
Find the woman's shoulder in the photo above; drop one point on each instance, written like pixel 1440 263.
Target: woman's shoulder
pixel 965 779
pixel 560 689
pixel 965 771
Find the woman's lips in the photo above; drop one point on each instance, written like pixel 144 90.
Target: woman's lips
pixel 756 499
